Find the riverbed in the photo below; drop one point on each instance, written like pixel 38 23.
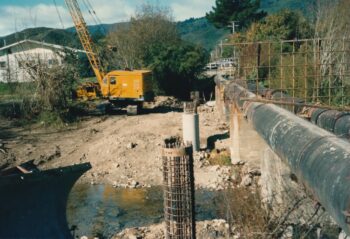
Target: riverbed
pixel 103 211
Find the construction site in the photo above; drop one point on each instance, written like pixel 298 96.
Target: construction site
pixel 249 139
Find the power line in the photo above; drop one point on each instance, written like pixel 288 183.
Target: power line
pixel 94 16
pixel 58 13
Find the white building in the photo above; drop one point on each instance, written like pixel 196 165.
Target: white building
pixel 16 57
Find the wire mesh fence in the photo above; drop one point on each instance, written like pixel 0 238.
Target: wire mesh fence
pixel 317 71
pixel 178 187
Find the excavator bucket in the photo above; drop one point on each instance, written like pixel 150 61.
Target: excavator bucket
pixel 33 202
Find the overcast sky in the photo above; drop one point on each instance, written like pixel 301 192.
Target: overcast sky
pixel 16 15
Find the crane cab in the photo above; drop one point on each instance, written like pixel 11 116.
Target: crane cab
pixel 128 85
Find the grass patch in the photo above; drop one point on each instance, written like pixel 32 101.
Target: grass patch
pixel 221 158
pixel 48 118
pixel 16 91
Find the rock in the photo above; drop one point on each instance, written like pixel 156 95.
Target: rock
pixel 94 131
pixel 246 181
pixel 199 156
pixel 134 184
pixel 210 103
pixel 254 172
pixel 131 145
pixel 237 161
pixel 46 158
pixel 237 236
pixel 288 233
pixel 215 168
pixel 135 237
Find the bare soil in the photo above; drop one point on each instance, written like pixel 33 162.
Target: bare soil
pixel 123 150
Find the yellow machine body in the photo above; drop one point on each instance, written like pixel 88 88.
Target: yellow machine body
pixel 127 85
pixel 88 91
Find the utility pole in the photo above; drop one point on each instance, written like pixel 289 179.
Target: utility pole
pixel 221 48
pixel 233 26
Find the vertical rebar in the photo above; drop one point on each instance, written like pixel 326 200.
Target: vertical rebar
pixel 269 76
pixel 343 73
pixel 318 73
pixel 293 75
pixel 281 67
pixel 178 179
pixel 258 58
pixel 330 76
pixel 305 70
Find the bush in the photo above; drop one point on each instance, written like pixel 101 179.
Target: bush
pixel 222 158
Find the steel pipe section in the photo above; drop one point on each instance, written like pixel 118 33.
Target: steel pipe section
pixel 334 121
pixel 33 205
pixel 319 159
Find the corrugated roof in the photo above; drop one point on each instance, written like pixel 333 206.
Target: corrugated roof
pixel 59 47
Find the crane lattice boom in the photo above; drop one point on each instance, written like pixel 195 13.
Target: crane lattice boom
pixel 85 39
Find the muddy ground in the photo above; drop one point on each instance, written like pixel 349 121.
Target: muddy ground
pixel 124 150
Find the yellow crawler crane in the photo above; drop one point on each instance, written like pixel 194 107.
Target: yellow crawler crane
pixel 123 88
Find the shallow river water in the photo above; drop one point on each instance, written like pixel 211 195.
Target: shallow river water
pixel 101 210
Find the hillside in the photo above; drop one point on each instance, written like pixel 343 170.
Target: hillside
pixel 272 6
pixel 200 31
pixel 194 30
pixel 49 35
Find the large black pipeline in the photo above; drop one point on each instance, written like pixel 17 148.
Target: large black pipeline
pixel 319 159
pixel 334 121
pixel 337 122
pixel 33 205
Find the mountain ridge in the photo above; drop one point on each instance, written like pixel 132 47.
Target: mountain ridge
pixel 194 30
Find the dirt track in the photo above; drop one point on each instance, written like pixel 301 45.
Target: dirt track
pixel 124 151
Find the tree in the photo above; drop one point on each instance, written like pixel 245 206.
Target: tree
pixel 332 26
pixel 176 68
pixel 284 25
pixel 244 11
pixel 151 41
pixel 53 85
pixel 151 26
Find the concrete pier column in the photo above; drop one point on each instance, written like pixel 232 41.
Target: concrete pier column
pixel 234 135
pixel 190 125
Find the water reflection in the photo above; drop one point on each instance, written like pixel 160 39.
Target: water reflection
pixel 103 210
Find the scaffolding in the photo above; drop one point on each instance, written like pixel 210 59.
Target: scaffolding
pixel 178 181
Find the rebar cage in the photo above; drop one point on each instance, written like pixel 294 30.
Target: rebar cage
pixel 178 179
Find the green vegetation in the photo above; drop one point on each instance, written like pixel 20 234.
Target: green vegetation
pixel 176 68
pixel 273 6
pixel 221 158
pixel 200 31
pixel 13 91
pixel 175 64
pixel 283 25
pixel 243 11
pixel 175 52
pixel 49 35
